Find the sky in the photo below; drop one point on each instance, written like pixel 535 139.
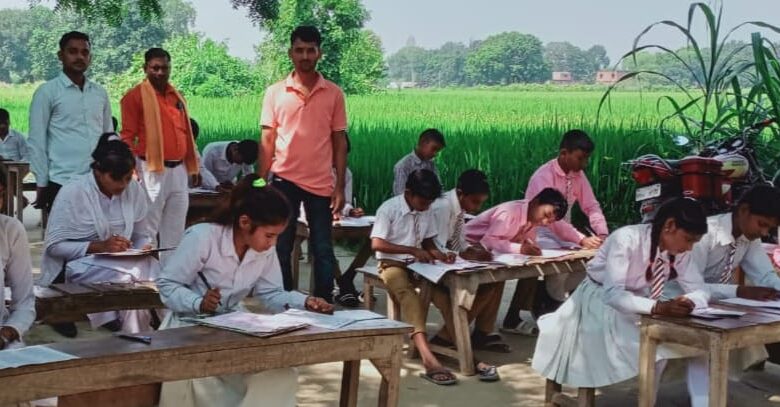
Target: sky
pixel 612 23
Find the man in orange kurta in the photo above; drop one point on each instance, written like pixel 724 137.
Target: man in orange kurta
pixel 156 125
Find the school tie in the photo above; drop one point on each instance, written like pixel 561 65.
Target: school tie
pixel 417 239
pixel 569 181
pixel 455 242
pixel 659 278
pixel 725 275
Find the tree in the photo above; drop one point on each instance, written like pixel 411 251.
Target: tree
pixel 36 32
pixel 445 66
pixel 200 67
pixel 407 64
pixel 362 64
pixel 563 56
pixel 341 24
pixel 506 58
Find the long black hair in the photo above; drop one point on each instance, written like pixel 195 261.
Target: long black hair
pixel 253 197
pixel 113 156
pixel 688 215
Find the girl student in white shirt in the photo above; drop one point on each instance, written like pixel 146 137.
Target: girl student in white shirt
pixel 592 340
pixel 99 212
pixel 236 254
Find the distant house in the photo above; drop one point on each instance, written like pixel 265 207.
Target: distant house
pixel 401 85
pixel 562 77
pixel 606 77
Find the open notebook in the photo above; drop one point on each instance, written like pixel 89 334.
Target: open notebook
pixel 134 252
pixel 249 323
pixel 435 271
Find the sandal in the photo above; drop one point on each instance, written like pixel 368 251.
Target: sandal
pixel 488 374
pixel 348 299
pixel 442 377
pixel 489 343
pixel 523 328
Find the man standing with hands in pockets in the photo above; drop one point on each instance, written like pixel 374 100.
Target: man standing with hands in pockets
pixel 303 138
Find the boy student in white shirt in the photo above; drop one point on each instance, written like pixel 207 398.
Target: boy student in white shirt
pixel 216 266
pixel 223 161
pixel 16 274
pixel 13 146
pixel 404 232
pixel 449 211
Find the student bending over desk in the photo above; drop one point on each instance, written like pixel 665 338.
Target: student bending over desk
pixel 103 211
pixel 592 340
pixel 215 267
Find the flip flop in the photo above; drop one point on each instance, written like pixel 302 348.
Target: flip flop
pixel 497 347
pixel 523 328
pixel 488 374
pixel 435 377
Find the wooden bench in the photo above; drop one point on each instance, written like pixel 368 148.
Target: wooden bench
pixel 70 302
pixel 115 364
pixel 203 205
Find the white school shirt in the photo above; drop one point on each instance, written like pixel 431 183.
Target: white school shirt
pixel 620 266
pixel 209 248
pixel 216 164
pixel 65 125
pixel 395 224
pixel 709 257
pixel 446 210
pixel 74 222
pixel 16 273
pixel 14 146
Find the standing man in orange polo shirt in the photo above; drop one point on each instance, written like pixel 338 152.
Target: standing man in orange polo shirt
pixel 156 125
pixel 303 139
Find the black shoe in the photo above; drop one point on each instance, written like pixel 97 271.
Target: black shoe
pixel 66 329
pixel 113 326
pixel 348 299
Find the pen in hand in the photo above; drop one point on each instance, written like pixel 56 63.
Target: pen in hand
pixel 206 283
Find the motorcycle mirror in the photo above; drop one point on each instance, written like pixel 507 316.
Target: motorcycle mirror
pixel 681 140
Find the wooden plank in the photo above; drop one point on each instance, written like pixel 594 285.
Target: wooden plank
pixel 144 395
pixel 563 400
pixel 129 363
pixel 460 324
pixel 74 307
pixel 551 388
pixel 586 397
pixel 647 353
pixel 719 374
pixel 72 288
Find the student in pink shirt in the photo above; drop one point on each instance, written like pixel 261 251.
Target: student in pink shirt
pixel 304 125
pixel 565 173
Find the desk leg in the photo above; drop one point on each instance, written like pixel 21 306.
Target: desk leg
pixel 9 189
pixel 390 369
pixel 19 191
pixel 719 374
pixel 647 350
pixel 460 322
pixel 361 257
pixel 349 383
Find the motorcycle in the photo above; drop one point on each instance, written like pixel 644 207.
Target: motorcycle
pixel 717 175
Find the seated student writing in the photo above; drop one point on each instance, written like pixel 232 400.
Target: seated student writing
pixel 733 240
pixel 511 227
pixel 18 312
pixel 449 211
pixel 223 161
pixel 592 340
pixel 430 142
pixel 13 145
pixel 236 256
pixel 103 211
pixel 404 232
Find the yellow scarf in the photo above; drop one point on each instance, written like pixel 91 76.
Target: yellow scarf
pixel 154 134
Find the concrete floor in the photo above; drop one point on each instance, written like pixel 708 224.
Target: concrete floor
pixel 520 385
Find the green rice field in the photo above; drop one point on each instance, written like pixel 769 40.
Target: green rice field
pixel 506 133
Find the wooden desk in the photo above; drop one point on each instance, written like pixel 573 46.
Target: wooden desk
pixel 463 287
pixel 203 205
pixel 362 234
pixel 193 352
pixel 70 302
pixel 716 337
pixel 15 171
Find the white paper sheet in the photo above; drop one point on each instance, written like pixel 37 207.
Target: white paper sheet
pixel 349 222
pixel 435 271
pixel 752 303
pixel 31 355
pixel 249 322
pixel 715 313
pixel 315 319
pixel 358 315
pixel 205 191
pixel 133 252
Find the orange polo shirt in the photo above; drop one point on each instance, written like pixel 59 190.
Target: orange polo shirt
pixel 304 125
pixel 174 124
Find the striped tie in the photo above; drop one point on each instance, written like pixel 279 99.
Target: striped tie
pixel 455 242
pixel 725 276
pixel 417 239
pixel 659 278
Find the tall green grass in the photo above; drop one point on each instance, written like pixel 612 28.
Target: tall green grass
pixel 506 134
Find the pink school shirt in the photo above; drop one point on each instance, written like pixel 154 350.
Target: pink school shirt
pixel 550 175
pixel 304 125
pixel 496 227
